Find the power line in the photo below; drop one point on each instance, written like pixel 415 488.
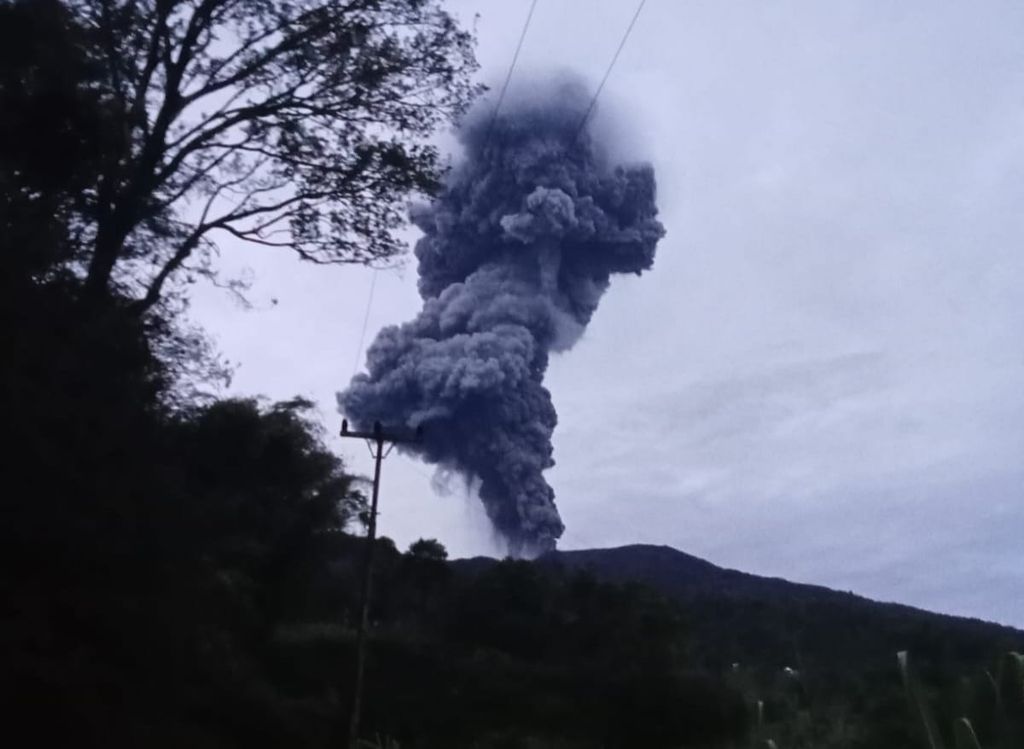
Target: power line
pixel 508 76
pixel 490 129
pixel 366 320
pixel 608 72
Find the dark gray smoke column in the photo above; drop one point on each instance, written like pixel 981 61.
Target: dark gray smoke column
pixel 518 250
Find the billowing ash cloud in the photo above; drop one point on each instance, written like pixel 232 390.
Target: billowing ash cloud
pixel 516 253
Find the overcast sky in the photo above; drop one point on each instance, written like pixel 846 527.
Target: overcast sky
pixel 823 377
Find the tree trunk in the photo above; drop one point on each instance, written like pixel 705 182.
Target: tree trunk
pixel 106 251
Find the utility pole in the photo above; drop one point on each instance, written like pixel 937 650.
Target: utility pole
pixel 375 440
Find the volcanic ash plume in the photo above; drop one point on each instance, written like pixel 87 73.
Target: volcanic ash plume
pixel 516 253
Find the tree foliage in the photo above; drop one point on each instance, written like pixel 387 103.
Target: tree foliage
pixel 428 549
pixel 51 136
pixel 301 124
pixel 150 554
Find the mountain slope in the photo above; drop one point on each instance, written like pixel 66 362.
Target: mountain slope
pixel 735 617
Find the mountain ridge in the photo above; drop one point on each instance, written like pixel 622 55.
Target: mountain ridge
pixel 582 558
pixel 740 616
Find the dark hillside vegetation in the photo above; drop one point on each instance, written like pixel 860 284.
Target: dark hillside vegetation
pixel 756 611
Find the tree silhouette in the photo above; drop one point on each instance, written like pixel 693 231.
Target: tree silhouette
pixel 300 124
pixel 428 549
pixel 51 135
